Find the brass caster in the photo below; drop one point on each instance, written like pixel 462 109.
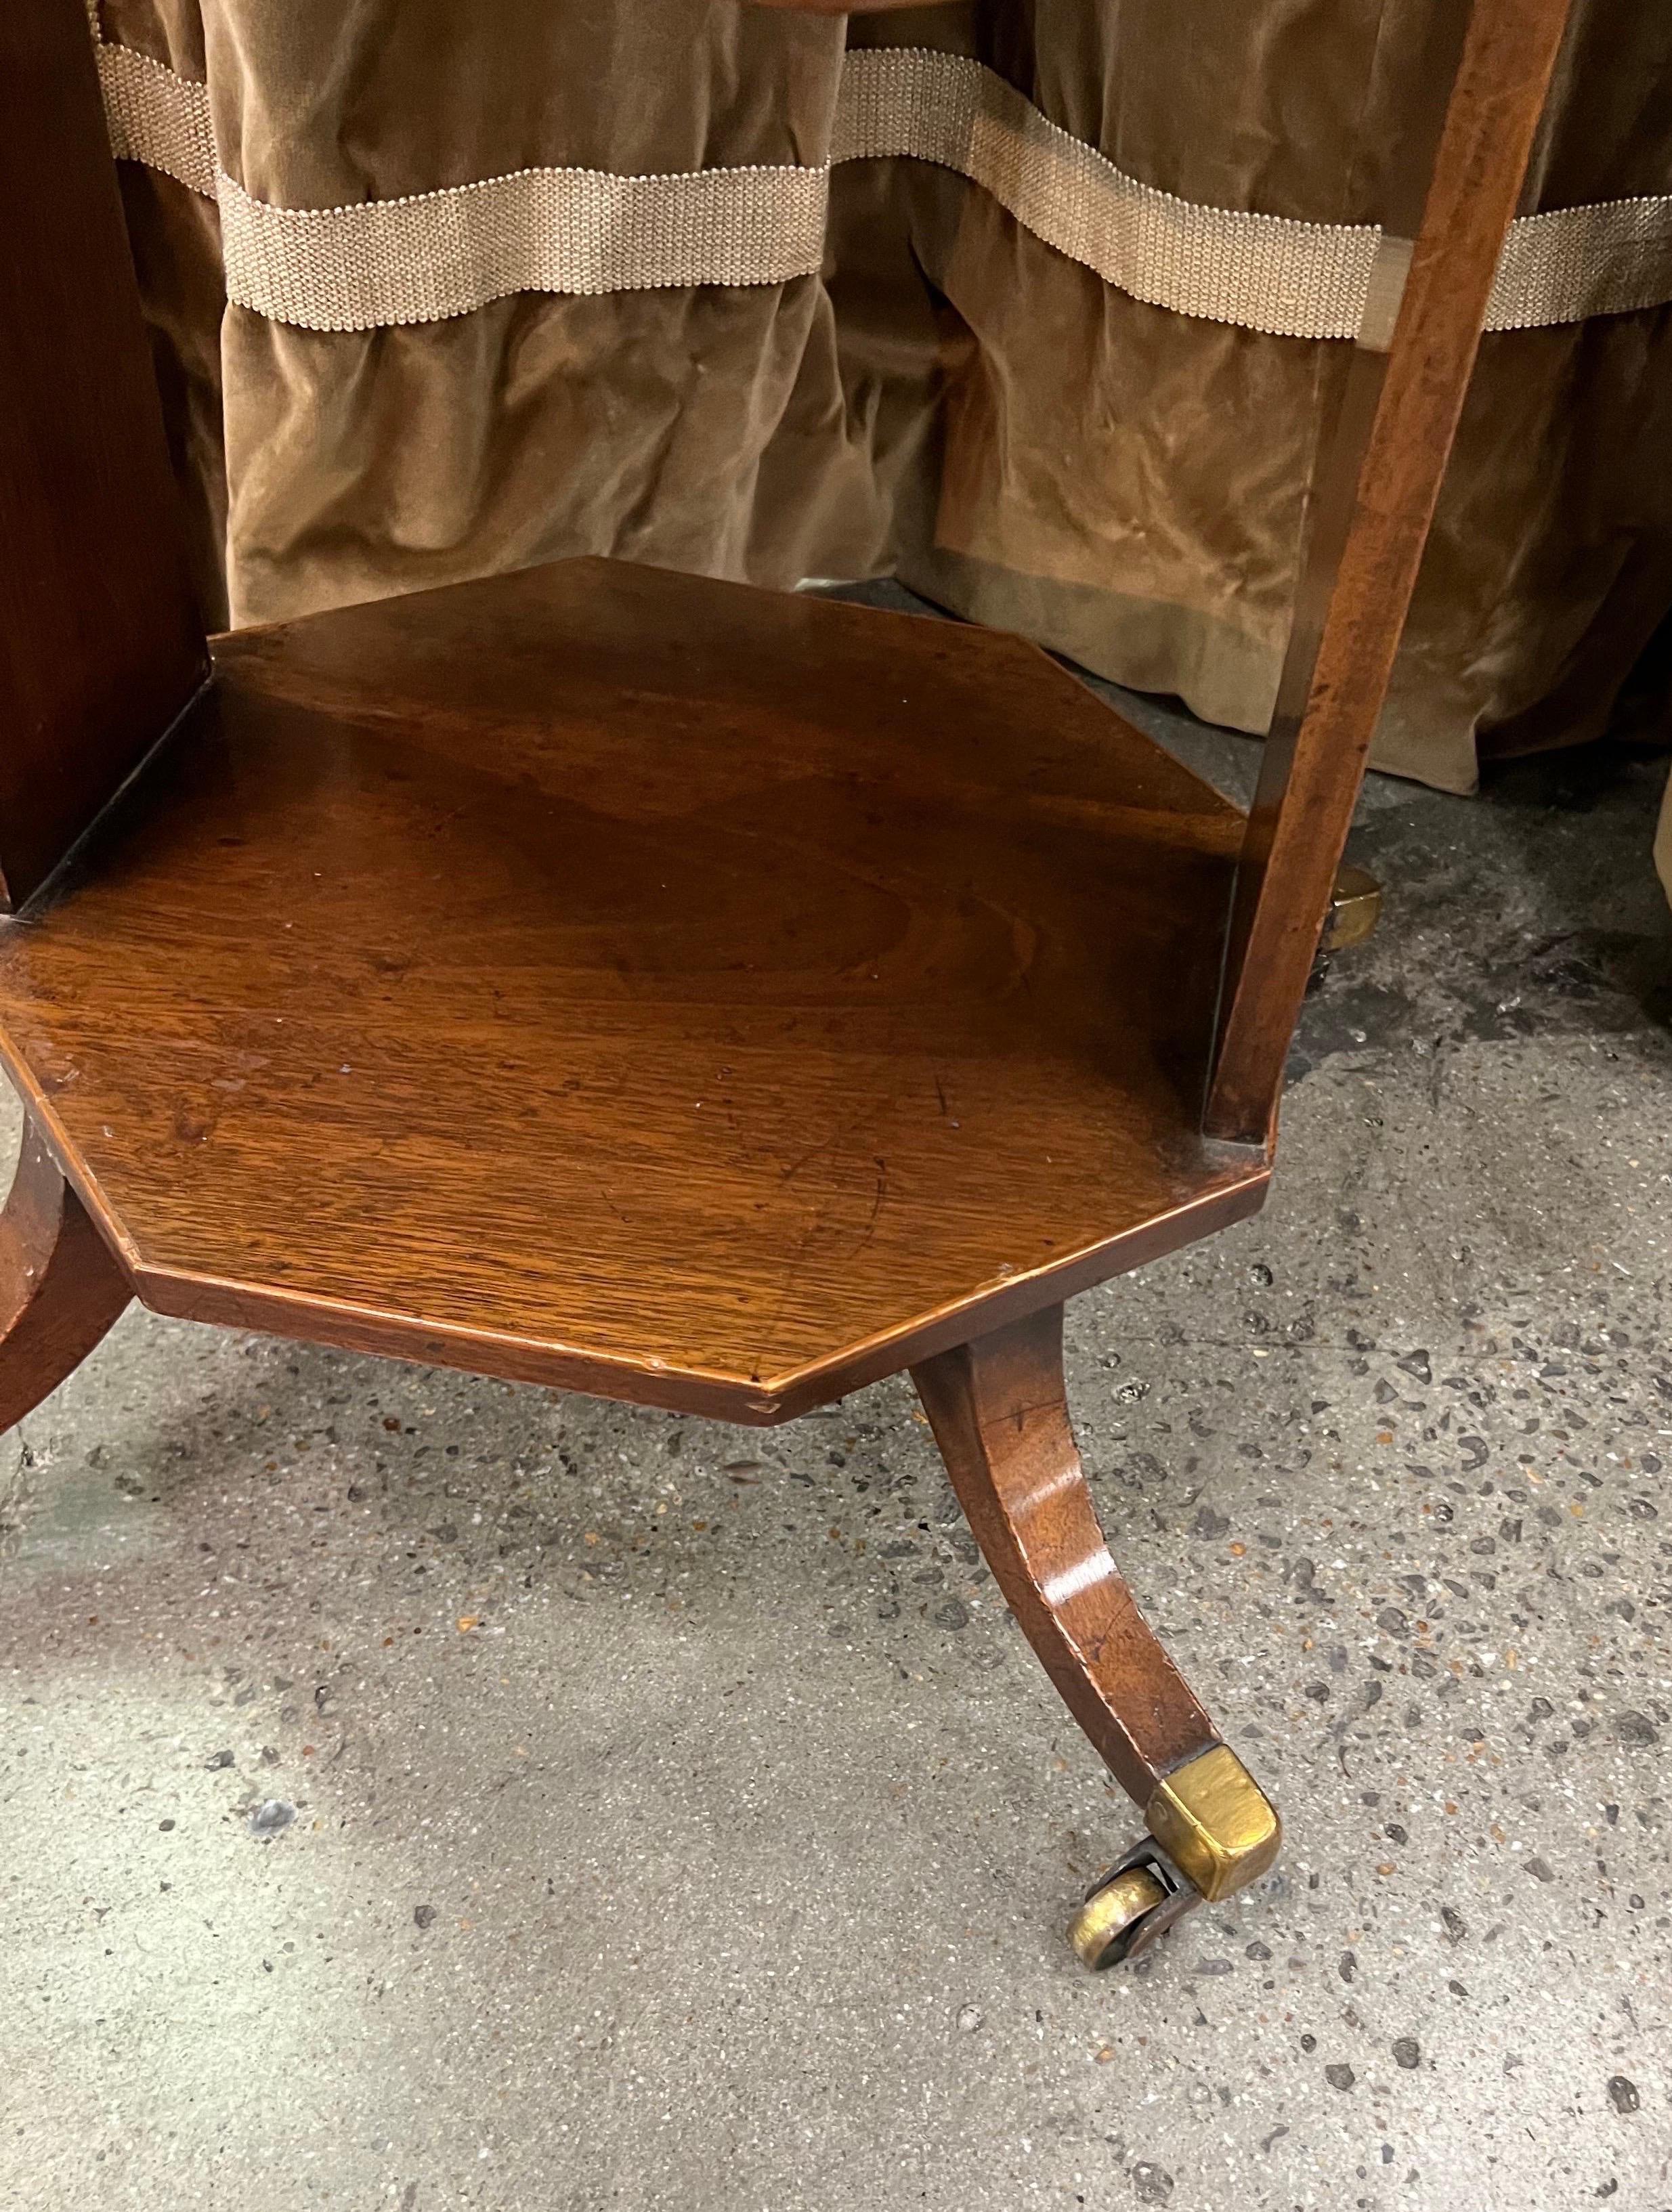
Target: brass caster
pixel 1212 1832
pixel 1214 1824
pixel 1132 1906
pixel 1106 1926
pixel 1355 908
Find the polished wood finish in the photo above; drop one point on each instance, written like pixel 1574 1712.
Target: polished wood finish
pixel 655 987
pixel 60 1289
pixel 639 983
pixel 999 1415
pixel 99 646
pixel 1374 504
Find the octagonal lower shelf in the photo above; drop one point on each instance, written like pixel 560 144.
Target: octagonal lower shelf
pixel 636 983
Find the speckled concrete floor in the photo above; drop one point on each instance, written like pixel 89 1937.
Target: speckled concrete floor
pixel 419 1792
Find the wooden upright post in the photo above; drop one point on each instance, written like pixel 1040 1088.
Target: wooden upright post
pixel 1460 174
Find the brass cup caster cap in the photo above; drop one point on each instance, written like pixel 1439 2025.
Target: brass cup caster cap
pixel 1215 1823
pixel 1355 908
pixel 1105 1929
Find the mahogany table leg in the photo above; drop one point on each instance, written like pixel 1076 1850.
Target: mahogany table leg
pixel 60 1289
pixel 999 1410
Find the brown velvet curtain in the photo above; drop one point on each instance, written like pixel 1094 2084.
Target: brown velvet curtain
pixel 947 398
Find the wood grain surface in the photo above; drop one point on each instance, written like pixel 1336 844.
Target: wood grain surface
pixel 1000 1417
pixel 639 983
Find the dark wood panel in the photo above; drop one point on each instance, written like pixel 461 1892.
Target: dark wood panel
pixel 99 646
pixel 649 984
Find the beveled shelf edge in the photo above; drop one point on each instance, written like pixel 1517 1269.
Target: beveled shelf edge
pixel 36 1103
pixel 1238 1190
pixel 995 1305
pixel 745 1400
pixel 340 1325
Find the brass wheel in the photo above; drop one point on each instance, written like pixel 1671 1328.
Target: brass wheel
pixel 1102 1930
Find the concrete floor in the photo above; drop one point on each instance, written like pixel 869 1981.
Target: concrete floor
pixel 416 1792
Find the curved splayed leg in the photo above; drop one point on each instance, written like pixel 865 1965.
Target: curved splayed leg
pixel 999 1413
pixel 60 1289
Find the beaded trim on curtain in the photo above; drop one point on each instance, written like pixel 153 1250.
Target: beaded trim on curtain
pixel 431 255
